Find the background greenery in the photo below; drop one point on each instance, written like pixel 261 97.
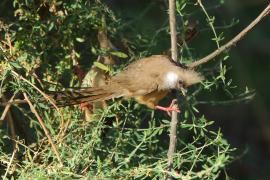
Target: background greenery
pixel 128 140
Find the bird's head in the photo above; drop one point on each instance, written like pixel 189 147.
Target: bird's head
pixel 180 79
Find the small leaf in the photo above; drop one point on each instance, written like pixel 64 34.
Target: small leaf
pixel 15 64
pixel 51 26
pixel 80 39
pixel 93 50
pixel 119 54
pixel 165 121
pixel 226 57
pixel 101 66
pixel 23 57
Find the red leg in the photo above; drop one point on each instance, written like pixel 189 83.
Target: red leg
pixel 169 108
pixel 86 105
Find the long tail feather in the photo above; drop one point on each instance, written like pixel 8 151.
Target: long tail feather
pixel 78 96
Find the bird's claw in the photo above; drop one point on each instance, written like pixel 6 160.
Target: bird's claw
pixel 86 105
pixel 171 108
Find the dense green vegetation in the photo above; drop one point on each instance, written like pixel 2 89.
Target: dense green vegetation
pixel 42 44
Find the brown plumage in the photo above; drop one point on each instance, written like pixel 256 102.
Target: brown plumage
pixel 147 80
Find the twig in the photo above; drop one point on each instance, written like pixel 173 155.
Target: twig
pixel 14 102
pixel 174 119
pixel 173 32
pixel 10 121
pixel 7 108
pixel 173 140
pixel 232 42
pixel 210 21
pixel 10 162
pixel 43 127
pixel 42 93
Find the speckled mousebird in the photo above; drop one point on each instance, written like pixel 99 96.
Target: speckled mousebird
pixel 147 80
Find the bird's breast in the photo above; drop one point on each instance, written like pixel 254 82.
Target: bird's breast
pixel 151 99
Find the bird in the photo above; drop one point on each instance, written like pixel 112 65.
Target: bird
pixel 147 80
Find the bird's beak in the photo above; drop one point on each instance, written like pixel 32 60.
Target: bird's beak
pixel 184 91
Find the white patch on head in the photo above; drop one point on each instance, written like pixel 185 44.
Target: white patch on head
pixel 171 79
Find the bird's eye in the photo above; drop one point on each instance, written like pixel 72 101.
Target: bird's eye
pixel 181 82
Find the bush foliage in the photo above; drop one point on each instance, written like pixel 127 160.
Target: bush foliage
pixel 42 42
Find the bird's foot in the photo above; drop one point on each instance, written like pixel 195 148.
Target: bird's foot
pixel 170 108
pixel 86 105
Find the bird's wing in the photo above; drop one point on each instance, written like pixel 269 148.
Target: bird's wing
pixel 137 86
pixel 145 75
pixel 137 79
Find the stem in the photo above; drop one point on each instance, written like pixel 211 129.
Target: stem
pixel 173 32
pixel 174 120
pixel 44 128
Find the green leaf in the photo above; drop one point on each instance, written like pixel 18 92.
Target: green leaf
pixel 15 64
pixel 166 121
pixel 226 57
pixel 51 26
pixel 80 39
pixel 119 54
pixel 22 57
pixel 102 66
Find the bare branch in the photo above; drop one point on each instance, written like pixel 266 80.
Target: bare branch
pixel 8 116
pixel 10 162
pixel 14 102
pixel 173 33
pixel 174 120
pixel 7 108
pixel 232 42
